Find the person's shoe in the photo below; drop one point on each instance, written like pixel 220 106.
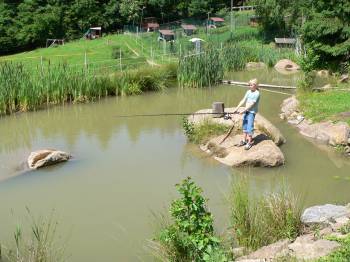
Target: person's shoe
pixel 242 143
pixel 248 146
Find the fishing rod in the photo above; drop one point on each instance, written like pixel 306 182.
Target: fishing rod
pixel 225 114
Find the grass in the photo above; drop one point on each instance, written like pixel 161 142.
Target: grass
pixel 325 105
pixel 340 255
pixel 260 221
pixel 37 244
pixel 201 134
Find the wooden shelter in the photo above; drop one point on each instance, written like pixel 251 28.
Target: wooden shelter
pixel 189 29
pixel 166 35
pixel 150 24
pixel 215 22
pixel 93 33
pixel 285 42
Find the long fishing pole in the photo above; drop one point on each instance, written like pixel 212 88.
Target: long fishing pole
pixel 226 114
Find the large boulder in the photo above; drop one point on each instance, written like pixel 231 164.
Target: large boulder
pixel 261 123
pixel 264 153
pixel 289 106
pixel 324 214
pixel 288 65
pixel 46 157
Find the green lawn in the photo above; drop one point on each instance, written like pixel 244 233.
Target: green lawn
pixel 326 105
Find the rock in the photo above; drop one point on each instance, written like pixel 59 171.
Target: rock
pixel 335 134
pixel 323 73
pixel 325 87
pixel 238 251
pixel 339 222
pixel 347 149
pixel 261 123
pixel 46 157
pixel 286 64
pixel 271 252
pixel 289 106
pixel 264 152
pixel 349 141
pixel 255 65
pixel 305 248
pixel 250 260
pixel 344 78
pixel 323 214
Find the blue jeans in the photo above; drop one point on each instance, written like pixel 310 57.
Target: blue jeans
pixel 248 123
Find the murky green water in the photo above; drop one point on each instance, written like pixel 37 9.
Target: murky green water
pixel 125 169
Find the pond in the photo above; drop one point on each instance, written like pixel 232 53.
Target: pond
pixel 124 170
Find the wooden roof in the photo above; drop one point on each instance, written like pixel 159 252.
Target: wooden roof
pixel 217 19
pixel 287 41
pixel 189 27
pixel 166 32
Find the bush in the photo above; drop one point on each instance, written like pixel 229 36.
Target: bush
pixel 191 235
pixel 257 222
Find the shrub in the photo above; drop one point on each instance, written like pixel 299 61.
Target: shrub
pixel 191 235
pixel 257 222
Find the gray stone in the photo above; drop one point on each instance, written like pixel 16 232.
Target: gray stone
pixel 323 214
pixel 289 107
pixel 288 65
pixel 46 157
pixel 250 260
pixel 255 65
pixel 344 79
pixel 323 73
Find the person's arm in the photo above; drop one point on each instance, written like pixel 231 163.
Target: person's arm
pixel 240 103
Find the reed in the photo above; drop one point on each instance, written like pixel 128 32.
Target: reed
pixel 201 70
pixel 24 89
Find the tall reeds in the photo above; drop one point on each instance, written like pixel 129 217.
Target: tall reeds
pixel 24 89
pixel 200 70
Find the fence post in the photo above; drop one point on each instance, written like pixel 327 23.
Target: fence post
pixel 152 56
pixel 120 60
pixel 85 60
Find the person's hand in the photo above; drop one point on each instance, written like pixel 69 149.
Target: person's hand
pixel 242 112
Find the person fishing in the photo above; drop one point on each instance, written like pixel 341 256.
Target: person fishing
pixel 251 99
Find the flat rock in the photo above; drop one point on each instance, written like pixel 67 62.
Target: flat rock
pixel 264 153
pixel 46 157
pixel 344 78
pixel 271 252
pixel 323 214
pixel 305 248
pixel 286 64
pixel 323 73
pixel 261 123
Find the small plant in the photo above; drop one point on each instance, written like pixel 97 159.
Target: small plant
pixel 188 128
pixel 345 229
pixel 191 235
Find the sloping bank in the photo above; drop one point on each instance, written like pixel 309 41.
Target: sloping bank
pixel 329 131
pixel 210 132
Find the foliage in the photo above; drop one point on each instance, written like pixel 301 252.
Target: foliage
pixel 27 24
pixel 37 245
pixel 191 235
pixel 325 105
pixel 202 133
pixel 259 221
pixel 341 254
pixel 324 27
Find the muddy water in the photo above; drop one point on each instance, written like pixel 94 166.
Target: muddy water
pixel 125 169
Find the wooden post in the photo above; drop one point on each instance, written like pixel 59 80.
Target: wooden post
pixel 152 56
pixel 85 60
pixel 218 109
pixel 41 63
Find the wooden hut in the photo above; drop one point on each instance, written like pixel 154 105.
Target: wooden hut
pixel 215 22
pixel 166 35
pixel 150 24
pixel 285 42
pixel 93 33
pixel 188 29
